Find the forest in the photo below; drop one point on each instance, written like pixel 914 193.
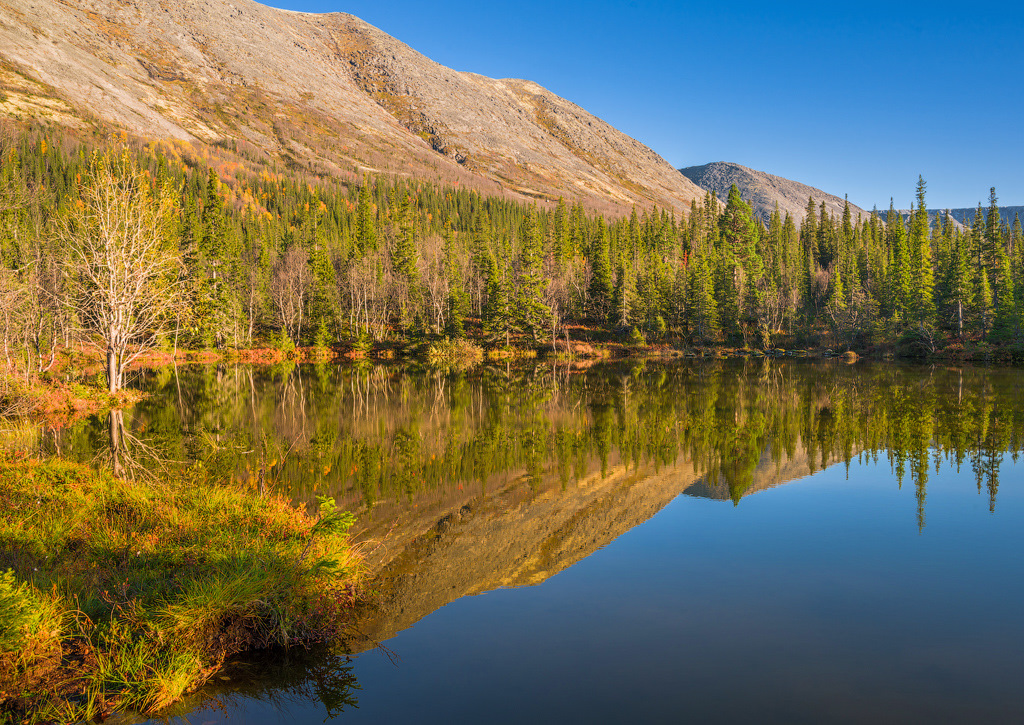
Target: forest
pixel 242 256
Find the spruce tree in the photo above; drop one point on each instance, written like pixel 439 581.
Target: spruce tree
pixel 458 299
pixel 623 297
pixel 366 222
pixel 320 306
pixel 1005 323
pixel 403 255
pixel 531 312
pixel 959 280
pixel 992 246
pixel 983 302
pixel 600 289
pixel 499 316
pixel 922 275
pixel 701 305
pixel 900 283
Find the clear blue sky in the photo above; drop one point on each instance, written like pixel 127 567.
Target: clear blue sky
pixel 856 98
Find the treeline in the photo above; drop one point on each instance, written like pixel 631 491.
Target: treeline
pixel 275 258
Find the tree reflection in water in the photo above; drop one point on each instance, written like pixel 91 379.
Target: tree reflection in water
pixel 375 434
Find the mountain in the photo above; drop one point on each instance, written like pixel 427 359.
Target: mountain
pixel 326 93
pixel 965 215
pixel 762 191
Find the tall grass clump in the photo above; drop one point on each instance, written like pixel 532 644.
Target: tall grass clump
pixel 457 353
pixel 31 625
pixel 124 595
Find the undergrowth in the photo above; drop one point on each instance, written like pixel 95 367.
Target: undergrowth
pixel 123 595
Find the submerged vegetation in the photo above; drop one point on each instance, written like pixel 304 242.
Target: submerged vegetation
pixel 116 594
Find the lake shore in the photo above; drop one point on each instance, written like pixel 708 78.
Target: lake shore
pixel 121 595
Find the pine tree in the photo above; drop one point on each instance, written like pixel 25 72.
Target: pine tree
pixel 900 284
pixel 458 300
pixel 958 279
pixel 1005 324
pixel 701 305
pixel 600 289
pixel 531 312
pixel 366 222
pixel 922 275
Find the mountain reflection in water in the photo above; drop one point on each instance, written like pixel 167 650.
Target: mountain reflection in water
pixel 465 484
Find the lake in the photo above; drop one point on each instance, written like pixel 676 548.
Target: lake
pixel 709 541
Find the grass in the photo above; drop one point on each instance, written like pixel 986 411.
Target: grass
pixel 121 595
pixel 456 353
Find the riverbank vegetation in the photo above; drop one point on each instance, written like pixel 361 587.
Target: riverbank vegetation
pixel 119 594
pixel 247 255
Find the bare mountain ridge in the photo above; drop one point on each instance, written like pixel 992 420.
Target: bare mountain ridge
pixel 762 191
pixel 328 92
pixel 964 216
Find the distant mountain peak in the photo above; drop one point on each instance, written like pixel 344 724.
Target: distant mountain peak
pixel 762 190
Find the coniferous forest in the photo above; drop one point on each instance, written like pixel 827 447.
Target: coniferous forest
pixel 245 255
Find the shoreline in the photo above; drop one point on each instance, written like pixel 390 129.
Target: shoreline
pixel 119 595
pixel 62 401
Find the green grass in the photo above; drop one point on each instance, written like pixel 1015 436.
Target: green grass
pixel 127 595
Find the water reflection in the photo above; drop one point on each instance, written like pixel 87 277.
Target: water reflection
pixel 502 478
pixel 383 439
pixel 469 483
pixel 282 681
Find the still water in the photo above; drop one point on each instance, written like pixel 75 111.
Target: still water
pixel 701 542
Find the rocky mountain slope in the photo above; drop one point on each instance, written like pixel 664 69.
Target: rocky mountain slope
pixel 324 92
pixel 762 191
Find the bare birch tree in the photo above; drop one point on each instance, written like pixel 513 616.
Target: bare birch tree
pixel 289 289
pixel 122 261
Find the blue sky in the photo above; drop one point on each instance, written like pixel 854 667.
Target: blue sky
pixel 854 98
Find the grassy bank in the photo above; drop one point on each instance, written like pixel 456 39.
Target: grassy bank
pixel 122 595
pixel 57 399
